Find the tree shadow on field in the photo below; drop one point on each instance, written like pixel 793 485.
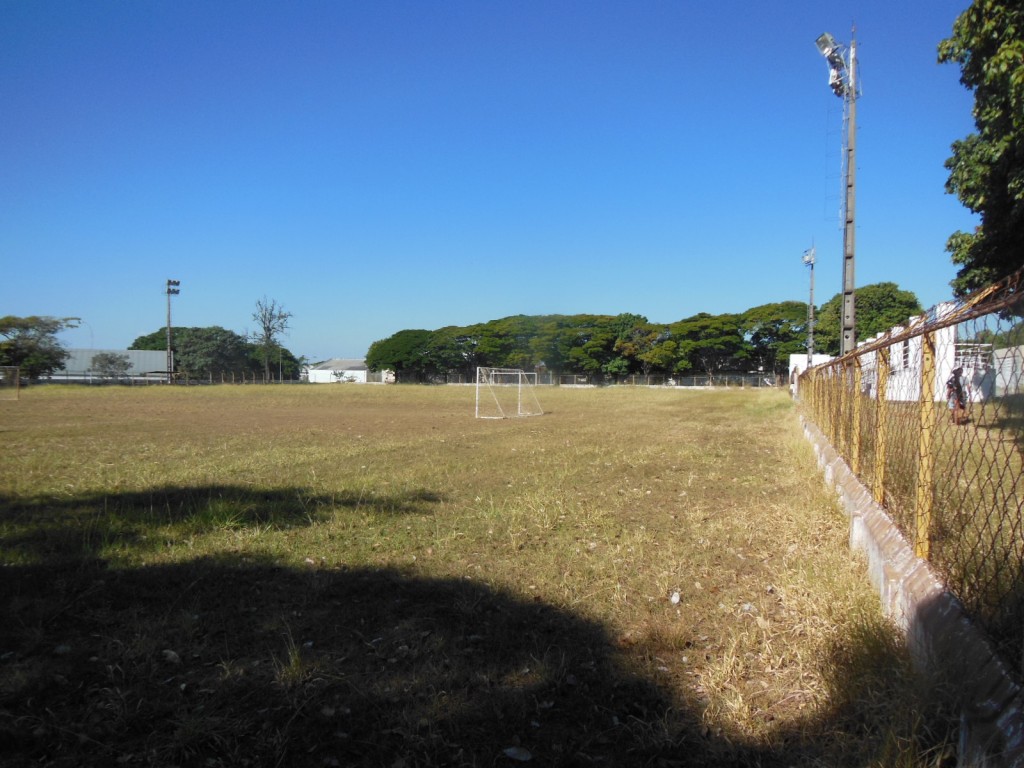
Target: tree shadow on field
pixel 82 525
pixel 219 662
pixel 239 661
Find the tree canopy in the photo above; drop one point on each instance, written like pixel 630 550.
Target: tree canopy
pixel 879 307
pixel 32 343
pixel 609 347
pixel 987 167
pixel 405 353
pixel 214 351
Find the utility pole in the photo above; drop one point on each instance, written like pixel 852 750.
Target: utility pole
pixel 843 80
pixel 172 290
pixel 809 255
pixel 849 342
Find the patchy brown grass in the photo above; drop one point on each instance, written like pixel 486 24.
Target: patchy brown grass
pixel 356 575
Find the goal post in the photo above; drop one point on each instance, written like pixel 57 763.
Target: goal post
pixel 10 382
pixel 506 393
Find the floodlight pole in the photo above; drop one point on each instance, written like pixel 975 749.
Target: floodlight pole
pixel 849 313
pixel 172 290
pixel 809 261
pixel 843 79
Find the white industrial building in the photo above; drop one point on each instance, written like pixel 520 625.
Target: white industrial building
pixel 339 370
pixel 144 364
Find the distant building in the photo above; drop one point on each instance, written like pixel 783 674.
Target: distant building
pixel 799 363
pixel 339 370
pixel 144 364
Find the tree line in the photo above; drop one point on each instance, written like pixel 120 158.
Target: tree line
pixel 610 347
pixel 216 352
pixel 31 344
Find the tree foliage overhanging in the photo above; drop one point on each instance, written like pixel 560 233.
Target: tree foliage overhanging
pixel 609 347
pixel 987 167
pixel 31 343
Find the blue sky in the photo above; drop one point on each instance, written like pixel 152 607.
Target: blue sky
pixel 377 166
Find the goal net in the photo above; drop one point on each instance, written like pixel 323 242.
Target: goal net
pixel 10 382
pixel 505 393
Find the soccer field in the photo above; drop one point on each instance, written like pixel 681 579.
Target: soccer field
pixel 368 575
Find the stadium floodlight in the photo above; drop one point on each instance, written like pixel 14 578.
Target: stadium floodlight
pixel 837 70
pixel 842 78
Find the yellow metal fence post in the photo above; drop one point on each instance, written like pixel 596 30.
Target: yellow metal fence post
pixel 856 401
pixel 926 448
pixel 881 419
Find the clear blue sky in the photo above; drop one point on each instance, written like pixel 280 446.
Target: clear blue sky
pixel 381 165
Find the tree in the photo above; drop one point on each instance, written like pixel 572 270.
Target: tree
pixel 644 345
pixel 214 351
pixel 111 365
pixel 405 353
pixel 593 347
pixel 210 351
pixel 31 343
pixel 987 167
pixel 879 307
pixel 774 332
pixel 271 320
pixel 711 343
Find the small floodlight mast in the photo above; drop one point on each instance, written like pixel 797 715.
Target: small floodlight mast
pixel 809 258
pixel 842 78
pixel 172 290
pixel 506 393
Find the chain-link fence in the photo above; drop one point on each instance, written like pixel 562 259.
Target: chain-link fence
pixel 931 418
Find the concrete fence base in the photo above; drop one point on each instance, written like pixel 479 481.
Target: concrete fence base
pixel 942 639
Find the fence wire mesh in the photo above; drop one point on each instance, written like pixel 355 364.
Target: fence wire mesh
pixel 931 418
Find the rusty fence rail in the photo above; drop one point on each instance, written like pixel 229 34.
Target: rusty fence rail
pixel 930 417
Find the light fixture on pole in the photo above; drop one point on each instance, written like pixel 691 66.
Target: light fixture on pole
pixel 842 77
pixel 809 256
pixel 172 290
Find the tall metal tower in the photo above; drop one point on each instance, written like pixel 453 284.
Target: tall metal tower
pixel 842 67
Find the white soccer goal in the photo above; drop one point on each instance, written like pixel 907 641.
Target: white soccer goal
pixel 505 393
pixel 10 382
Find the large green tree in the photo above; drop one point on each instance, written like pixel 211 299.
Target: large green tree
pixel 211 351
pixel 215 351
pixel 774 332
pixel 32 344
pixel 406 353
pixel 987 167
pixel 644 345
pixel 710 343
pixel 879 307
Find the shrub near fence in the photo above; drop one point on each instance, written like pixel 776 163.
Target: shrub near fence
pixel 952 481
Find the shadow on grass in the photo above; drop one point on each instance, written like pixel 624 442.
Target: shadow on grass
pixel 235 660
pixel 83 525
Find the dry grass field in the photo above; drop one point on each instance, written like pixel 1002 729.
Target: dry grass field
pixel 362 575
